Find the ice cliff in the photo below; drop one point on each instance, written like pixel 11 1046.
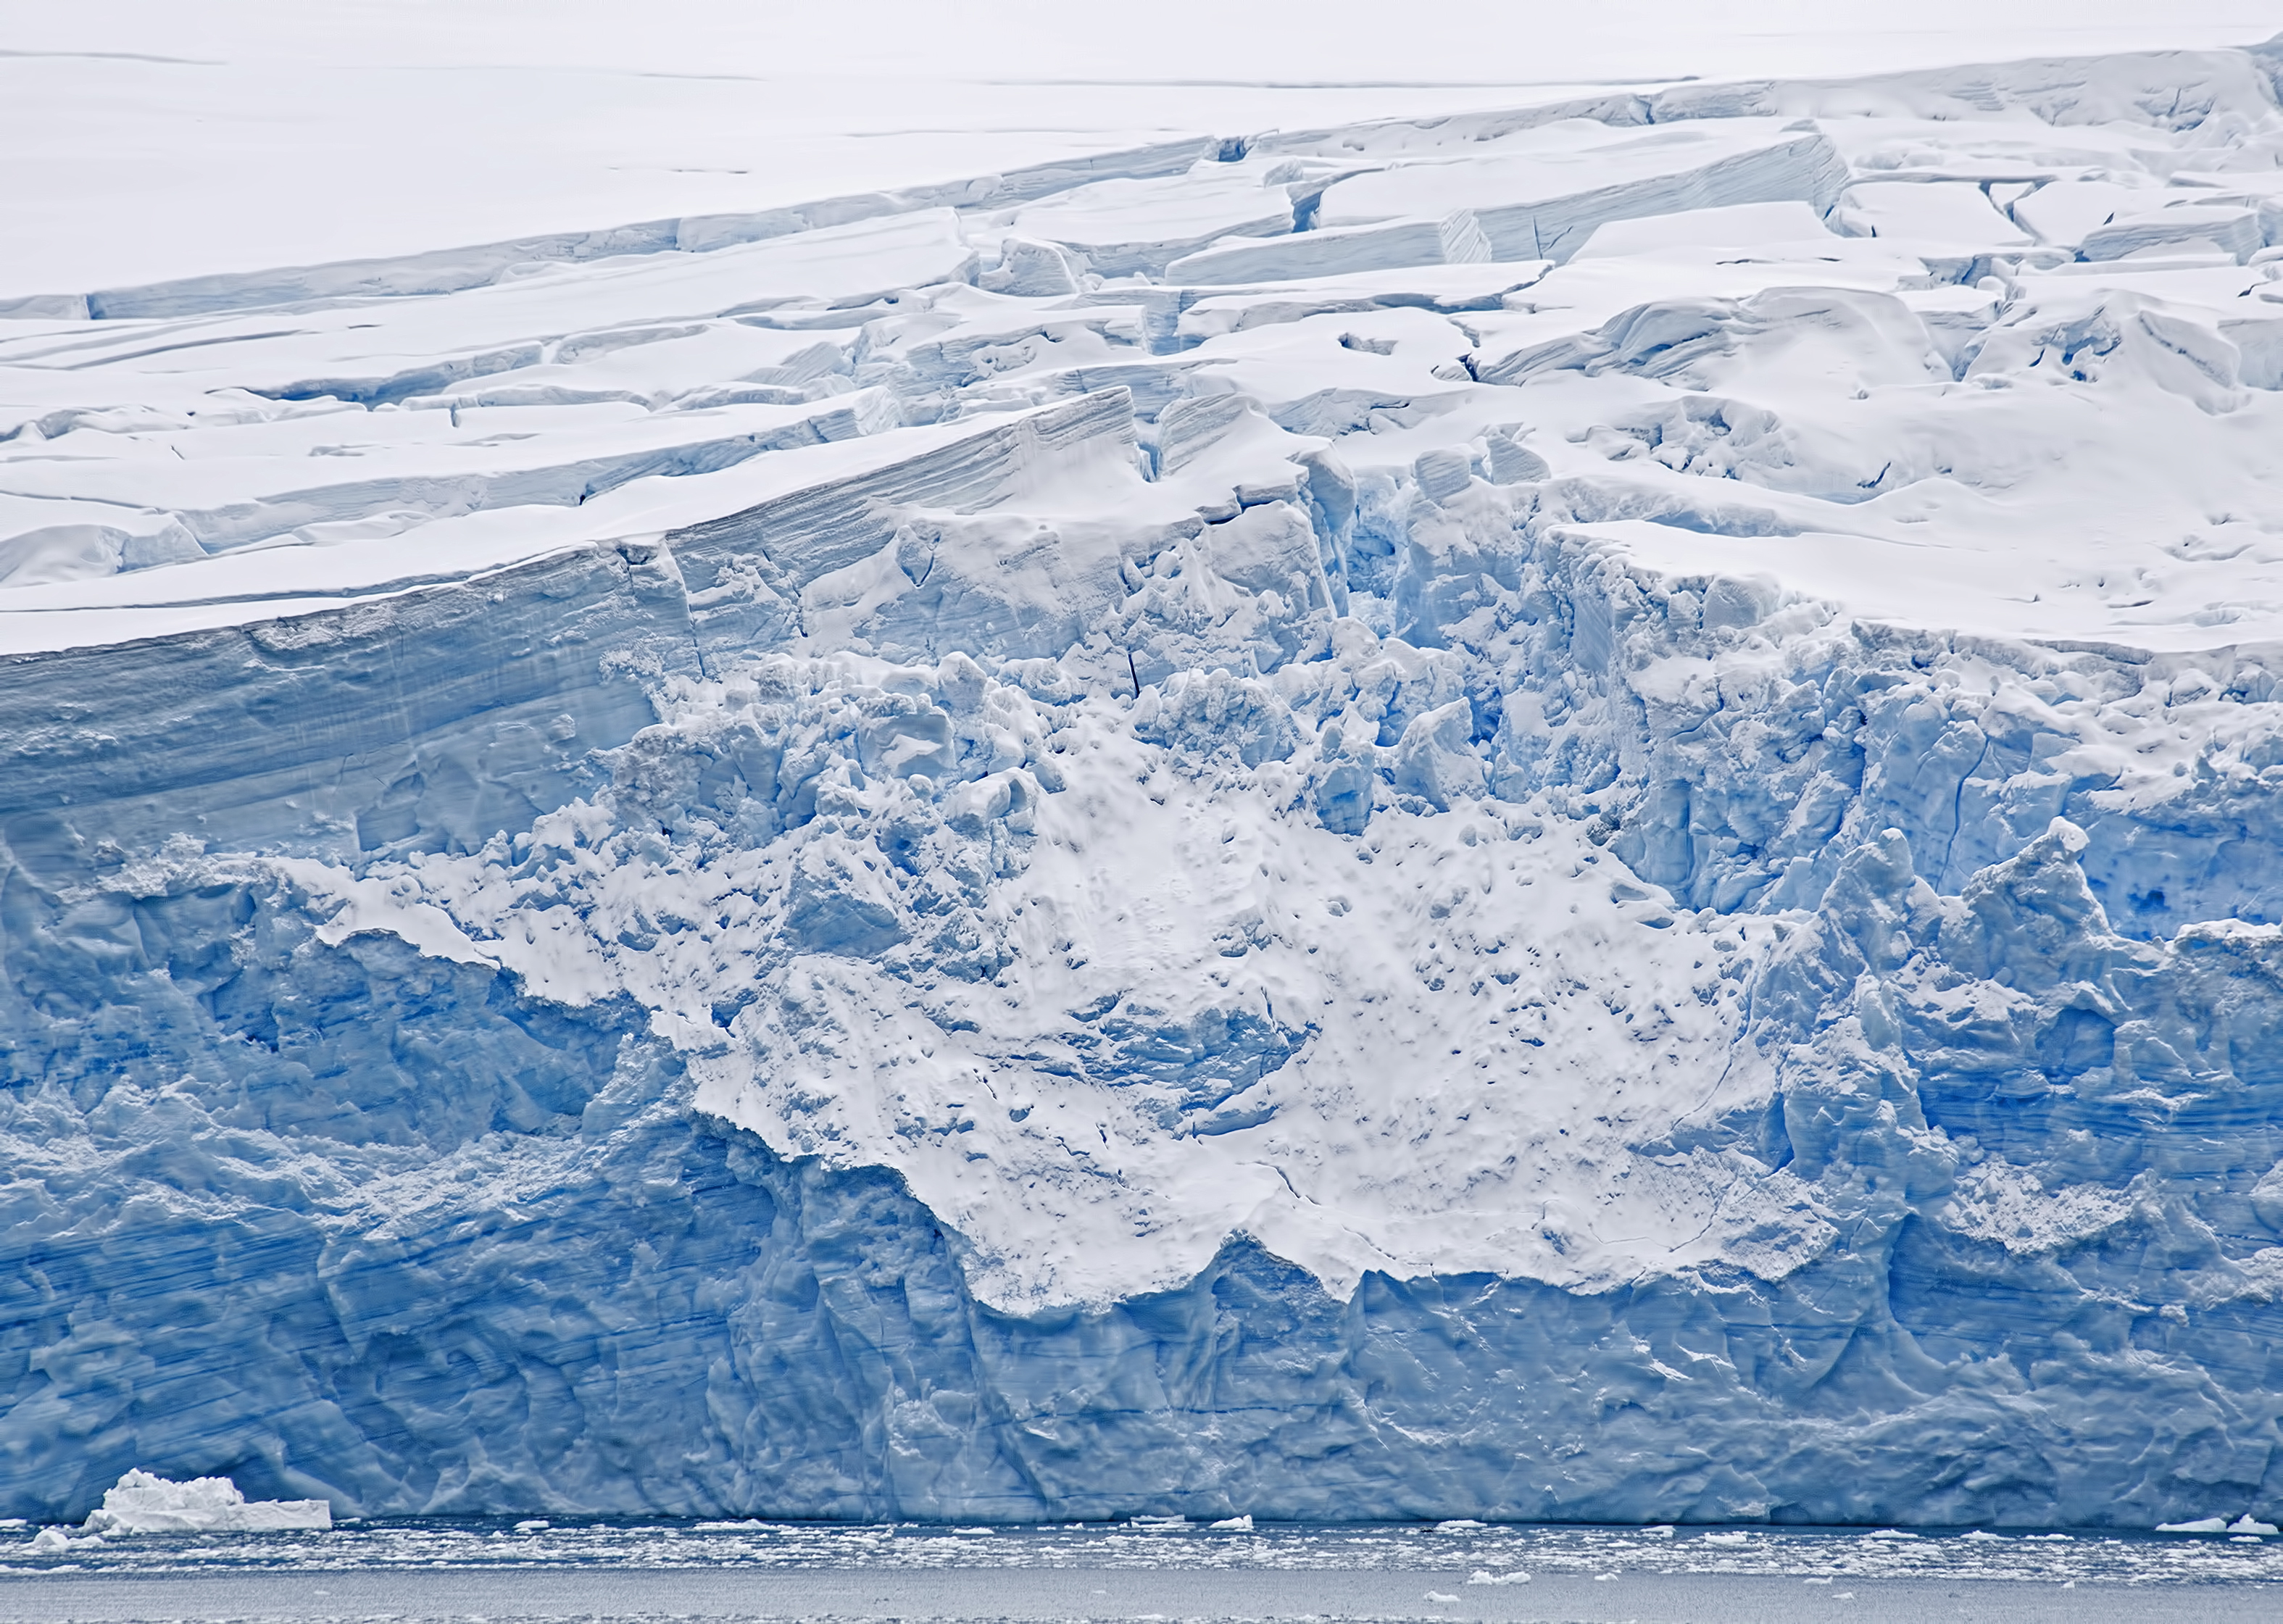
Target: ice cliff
pixel 1566 814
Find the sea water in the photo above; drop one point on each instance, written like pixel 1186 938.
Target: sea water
pixel 497 1569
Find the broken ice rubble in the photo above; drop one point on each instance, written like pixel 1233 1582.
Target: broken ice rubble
pixel 1562 814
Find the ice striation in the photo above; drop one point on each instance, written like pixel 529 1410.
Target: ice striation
pixel 1557 815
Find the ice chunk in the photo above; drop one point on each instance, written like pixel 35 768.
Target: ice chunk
pixel 1952 216
pixel 143 1502
pixel 1119 227
pixel 1541 195
pixel 2234 230
pixel 2065 211
pixel 1740 225
pixel 1331 251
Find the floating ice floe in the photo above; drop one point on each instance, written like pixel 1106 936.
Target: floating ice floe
pixel 143 1502
pixel 2246 1524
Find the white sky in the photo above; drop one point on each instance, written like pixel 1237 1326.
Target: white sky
pixel 155 138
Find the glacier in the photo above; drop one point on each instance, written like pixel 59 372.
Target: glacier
pixel 1559 814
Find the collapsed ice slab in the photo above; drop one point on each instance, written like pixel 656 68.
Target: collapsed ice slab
pixel 1540 194
pixel 143 1502
pixel 1538 204
pixel 1121 227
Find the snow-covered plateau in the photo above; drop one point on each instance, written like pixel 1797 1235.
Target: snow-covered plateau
pixel 1569 815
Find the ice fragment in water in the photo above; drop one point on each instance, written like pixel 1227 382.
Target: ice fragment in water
pixel 143 1503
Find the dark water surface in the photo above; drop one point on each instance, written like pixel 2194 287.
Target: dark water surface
pixel 716 1570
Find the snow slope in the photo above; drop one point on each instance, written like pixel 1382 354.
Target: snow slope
pixel 1562 813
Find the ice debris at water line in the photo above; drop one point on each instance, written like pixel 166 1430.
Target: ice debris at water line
pixel 1562 814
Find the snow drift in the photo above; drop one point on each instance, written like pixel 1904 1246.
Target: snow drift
pixel 1216 840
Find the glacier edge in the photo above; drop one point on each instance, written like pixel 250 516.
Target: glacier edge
pixel 1309 900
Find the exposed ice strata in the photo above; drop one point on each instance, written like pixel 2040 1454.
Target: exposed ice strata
pixel 944 867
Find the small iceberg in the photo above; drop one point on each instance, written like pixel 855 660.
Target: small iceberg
pixel 144 1502
pixel 2245 1524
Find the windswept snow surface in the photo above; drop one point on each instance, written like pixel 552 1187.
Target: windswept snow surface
pixel 1562 814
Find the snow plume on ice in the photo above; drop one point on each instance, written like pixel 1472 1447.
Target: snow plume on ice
pixel 1558 814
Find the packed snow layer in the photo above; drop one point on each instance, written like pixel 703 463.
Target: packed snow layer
pixel 942 867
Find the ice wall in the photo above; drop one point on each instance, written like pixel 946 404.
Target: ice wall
pixel 1635 888
pixel 334 1251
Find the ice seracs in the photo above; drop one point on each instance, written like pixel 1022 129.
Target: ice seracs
pixel 1565 813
